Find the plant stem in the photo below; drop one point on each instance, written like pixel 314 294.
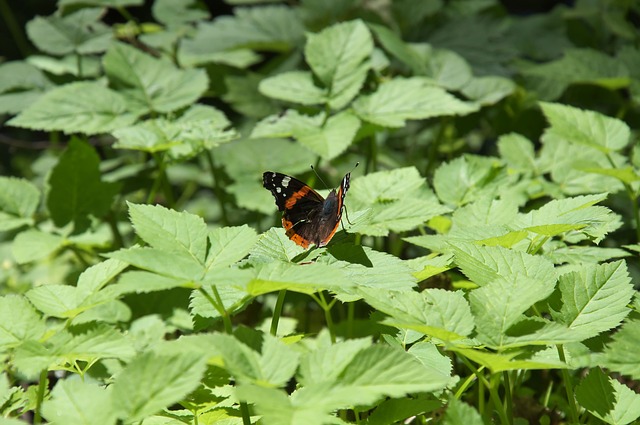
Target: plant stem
pixel 277 311
pixel 466 384
pixel 14 29
pixel 219 306
pixel 217 189
pixel 327 315
pixel 351 313
pixel 568 386
pixel 42 386
pixel 244 410
pixel 493 391
pixel 508 399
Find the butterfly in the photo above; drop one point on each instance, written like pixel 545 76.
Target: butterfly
pixel 307 217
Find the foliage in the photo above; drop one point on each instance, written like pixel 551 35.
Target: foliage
pixel 486 265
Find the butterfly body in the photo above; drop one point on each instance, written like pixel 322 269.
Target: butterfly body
pixel 307 217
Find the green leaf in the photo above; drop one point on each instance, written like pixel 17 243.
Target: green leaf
pixel 518 152
pixel 72 64
pixel 485 264
pixel 229 245
pixel 459 412
pixel 182 139
pixel 293 86
pixel 19 321
pixel 32 245
pixel 327 361
pixel 338 57
pixel 488 90
pixel 402 99
pixel 443 314
pixel 243 95
pixel 306 278
pixel 274 245
pixel 76 402
pixel 594 298
pixel 230 284
pixel 149 84
pixel 170 230
pixel 608 399
pixel 468 178
pixel 104 3
pixel 178 264
pixel 19 199
pixel 273 28
pixel 586 127
pixel 153 381
pixel 53 300
pixel 394 45
pixel 328 138
pixel 399 200
pixel 578 213
pixel 174 13
pixel 578 66
pixel 84 107
pixel 500 304
pixel 400 409
pixel 20 75
pixel 498 362
pixel 140 282
pixel 449 70
pixel 79 32
pixel 620 354
pixel 76 187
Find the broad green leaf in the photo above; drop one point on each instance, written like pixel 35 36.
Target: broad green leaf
pixel 53 300
pixel 83 107
pixel 459 412
pixel 76 187
pixel 327 361
pixel 488 90
pixel 338 57
pixel 273 28
pixel 499 304
pixel 103 3
pixel 169 230
pixel 76 402
pixel 518 152
pixel 19 321
pixel 594 298
pixel 620 354
pixel 20 75
pixel 293 86
pixel 229 245
pixel 468 178
pixel 71 64
pixel 18 197
pixel 79 32
pixel 150 84
pixel 586 127
pixel 394 45
pixel 577 66
pixel 328 138
pixel 563 215
pixel 400 409
pixel 182 139
pixel 400 99
pixel 304 278
pixel 498 362
pixel 176 264
pixel 626 175
pixel 485 264
pixel 399 200
pixel 170 12
pixel 448 69
pixel 32 245
pixel 368 268
pixel 153 381
pixel 427 353
pixel 577 254
pixel 274 245
pixel 443 314
pixel 229 284
pixel 608 399
pixel 96 277
pixel 141 282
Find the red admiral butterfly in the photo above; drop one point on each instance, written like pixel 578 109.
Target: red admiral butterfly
pixel 307 217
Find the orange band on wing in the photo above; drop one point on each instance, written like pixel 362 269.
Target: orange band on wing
pixel 288 227
pixel 296 195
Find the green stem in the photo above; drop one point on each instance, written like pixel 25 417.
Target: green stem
pixel 327 315
pixel 493 391
pixel 118 242
pixel 158 180
pixel 219 306
pixel 467 382
pixel 508 400
pixel 277 311
pixel 568 386
pixel 42 386
pixel 351 313
pixel 244 410
pixel 216 176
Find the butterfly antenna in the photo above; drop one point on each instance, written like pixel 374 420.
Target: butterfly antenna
pixel 314 170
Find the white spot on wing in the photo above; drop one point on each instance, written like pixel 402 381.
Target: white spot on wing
pixel 285 181
pixel 278 189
